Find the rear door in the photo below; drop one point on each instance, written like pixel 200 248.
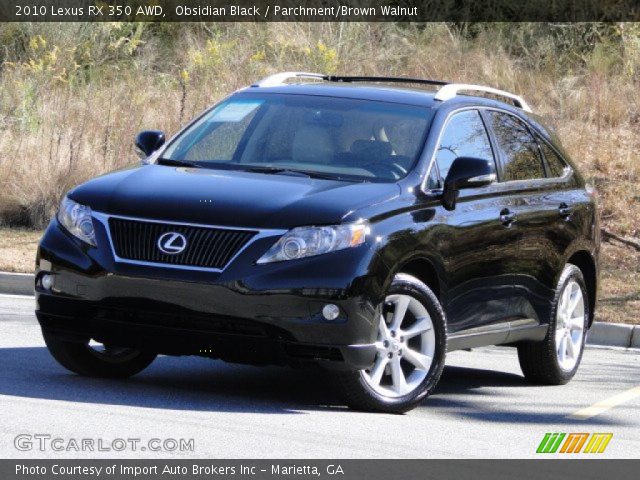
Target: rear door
pixel 538 205
pixel 571 215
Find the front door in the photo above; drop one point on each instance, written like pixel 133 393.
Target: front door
pixel 477 240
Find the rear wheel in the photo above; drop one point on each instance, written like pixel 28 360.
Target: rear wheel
pixel 97 360
pixel 555 360
pixel 411 347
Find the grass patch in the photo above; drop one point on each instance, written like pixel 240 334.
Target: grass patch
pixel 74 94
pixel 18 249
pixel 620 285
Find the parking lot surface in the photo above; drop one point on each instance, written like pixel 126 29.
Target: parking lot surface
pixel 482 407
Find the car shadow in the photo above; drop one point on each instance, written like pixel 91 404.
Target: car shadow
pixel 200 384
pixel 172 383
pixel 460 390
pixel 458 379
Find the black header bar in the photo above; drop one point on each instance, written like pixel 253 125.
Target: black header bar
pixel 319 10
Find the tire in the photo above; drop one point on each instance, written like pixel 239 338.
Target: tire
pixel 423 335
pixel 542 362
pixel 85 360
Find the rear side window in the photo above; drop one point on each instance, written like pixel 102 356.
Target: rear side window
pixel 463 136
pixel 521 157
pixel 556 166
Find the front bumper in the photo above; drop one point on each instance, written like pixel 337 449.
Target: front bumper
pixel 247 313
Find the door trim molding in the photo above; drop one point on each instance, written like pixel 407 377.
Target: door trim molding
pixel 497 334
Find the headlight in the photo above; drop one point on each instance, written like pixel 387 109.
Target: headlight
pixel 304 242
pixel 77 220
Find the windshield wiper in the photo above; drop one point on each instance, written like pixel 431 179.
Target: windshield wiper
pixel 327 176
pixel 276 171
pixel 294 173
pixel 178 163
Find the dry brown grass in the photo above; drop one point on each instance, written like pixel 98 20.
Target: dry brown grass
pixel 72 97
pixel 18 249
pixel 620 285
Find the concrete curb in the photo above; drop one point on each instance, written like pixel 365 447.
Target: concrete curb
pixel 635 337
pixel 614 334
pixel 609 334
pixel 16 283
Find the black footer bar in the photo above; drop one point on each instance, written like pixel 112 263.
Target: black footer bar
pixel 307 469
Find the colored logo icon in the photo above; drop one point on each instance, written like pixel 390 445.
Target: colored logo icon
pixel 574 443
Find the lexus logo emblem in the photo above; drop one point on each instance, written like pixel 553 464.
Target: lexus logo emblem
pixel 172 243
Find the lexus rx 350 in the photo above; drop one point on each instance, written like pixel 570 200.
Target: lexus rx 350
pixel 369 225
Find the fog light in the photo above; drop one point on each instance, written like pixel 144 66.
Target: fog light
pixel 330 311
pixel 46 281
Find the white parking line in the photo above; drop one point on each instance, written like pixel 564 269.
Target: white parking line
pixel 606 404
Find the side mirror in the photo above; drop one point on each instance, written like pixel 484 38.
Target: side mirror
pixel 148 142
pixel 466 172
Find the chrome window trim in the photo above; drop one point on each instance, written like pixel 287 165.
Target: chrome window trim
pixel 103 218
pixel 546 180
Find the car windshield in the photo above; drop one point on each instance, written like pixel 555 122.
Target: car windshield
pixel 325 137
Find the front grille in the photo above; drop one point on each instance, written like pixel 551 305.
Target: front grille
pixel 205 248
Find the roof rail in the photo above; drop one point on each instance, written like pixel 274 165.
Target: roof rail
pixel 446 92
pixel 280 78
pixel 347 79
pixel 451 90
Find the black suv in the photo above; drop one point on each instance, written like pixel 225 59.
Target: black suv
pixel 345 221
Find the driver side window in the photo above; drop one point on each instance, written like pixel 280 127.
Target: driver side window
pixel 464 136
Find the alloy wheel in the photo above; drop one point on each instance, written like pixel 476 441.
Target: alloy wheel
pixel 404 348
pixel 570 326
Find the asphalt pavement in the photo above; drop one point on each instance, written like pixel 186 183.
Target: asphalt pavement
pixel 482 408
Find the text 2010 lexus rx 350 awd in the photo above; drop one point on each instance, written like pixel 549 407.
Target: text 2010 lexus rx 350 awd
pixel 344 221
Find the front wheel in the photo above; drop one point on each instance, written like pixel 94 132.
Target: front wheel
pixel 97 360
pixel 411 346
pixel 555 360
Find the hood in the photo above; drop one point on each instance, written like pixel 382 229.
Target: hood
pixel 230 198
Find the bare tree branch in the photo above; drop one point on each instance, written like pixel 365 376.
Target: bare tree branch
pixel 609 236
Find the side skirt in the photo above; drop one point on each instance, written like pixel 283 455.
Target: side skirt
pixel 501 334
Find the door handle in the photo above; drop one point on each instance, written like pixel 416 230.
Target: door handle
pixel 507 217
pixel 565 210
